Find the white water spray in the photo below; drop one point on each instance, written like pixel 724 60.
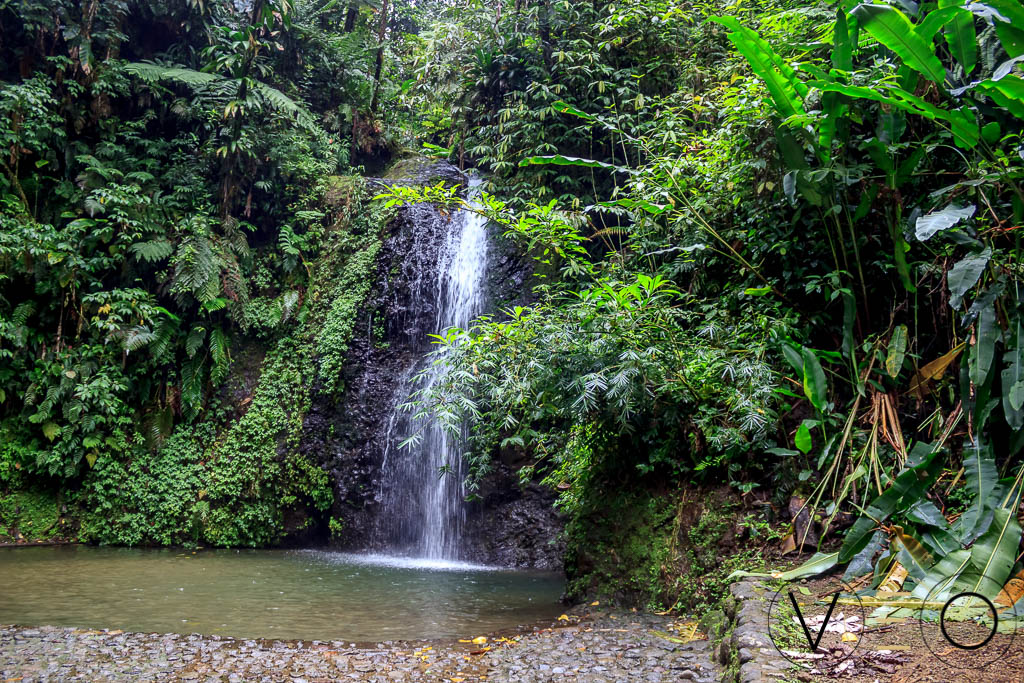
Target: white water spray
pixel 424 512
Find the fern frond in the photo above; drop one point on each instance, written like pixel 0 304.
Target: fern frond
pixel 138 337
pixel 284 104
pixel 152 251
pixel 194 340
pixel 163 338
pixel 22 312
pixel 192 387
pixel 153 73
pixel 220 352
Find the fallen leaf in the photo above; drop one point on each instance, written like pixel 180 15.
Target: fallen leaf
pixel 480 640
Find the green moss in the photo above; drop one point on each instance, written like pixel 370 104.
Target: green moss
pixel 29 516
pixel 655 550
pixel 233 482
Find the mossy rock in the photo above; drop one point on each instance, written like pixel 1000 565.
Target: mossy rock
pixel 423 171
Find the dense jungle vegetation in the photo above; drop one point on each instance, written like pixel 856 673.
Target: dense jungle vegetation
pixel 777 245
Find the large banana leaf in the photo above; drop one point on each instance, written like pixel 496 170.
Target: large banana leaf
pixel 981 479
pixel 892 29
pixel 1008 92
pixel 994 554
pixel 786 90
pixel 1008 17
pixel 983 352
pixel 962 123
pixel 844 39
pixel 942 576
pixel 817 564
pixel 1013 374
pixel 815 386
pixel 960 35
pixel 909 487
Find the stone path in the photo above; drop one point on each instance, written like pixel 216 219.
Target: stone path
pixel 588 647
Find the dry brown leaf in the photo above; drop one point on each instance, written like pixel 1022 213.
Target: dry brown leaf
pixel 894 579
pixel 933 371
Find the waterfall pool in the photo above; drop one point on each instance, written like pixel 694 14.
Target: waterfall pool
pixel 272 594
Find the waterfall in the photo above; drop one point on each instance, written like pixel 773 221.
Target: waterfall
pixel 423 512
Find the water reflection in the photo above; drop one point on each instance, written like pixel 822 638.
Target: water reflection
pixel 267 593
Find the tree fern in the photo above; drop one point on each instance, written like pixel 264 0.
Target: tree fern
pixel 151 73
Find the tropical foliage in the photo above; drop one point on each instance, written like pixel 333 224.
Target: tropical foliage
pixel 775 244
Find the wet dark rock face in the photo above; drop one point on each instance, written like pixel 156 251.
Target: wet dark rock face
pixel 510 525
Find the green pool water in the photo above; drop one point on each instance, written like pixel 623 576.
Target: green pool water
pixel 286 594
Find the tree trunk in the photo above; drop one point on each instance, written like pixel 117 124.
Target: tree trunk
pixel 380 56
pixel 350 17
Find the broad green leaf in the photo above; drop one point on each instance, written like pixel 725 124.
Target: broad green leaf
pixel 925 512
pixel 51 430
pixel 757 291
pixel 929 27
pixel 794 358
pixel 983 352
pixel 90 458
pixel 815 386
pixel 907 488
pixel 802 438
pixel 1008 18
pixel 937 221
pixel 649 207
pixel 942 576
pixel 559 160
pixel 567 108
pixel 1012 38
pixel 940 542
pixel 891 28
pixel 843 42
pixel 785 88
pixel 960 35
pixel 1008 92
pixel 994 553
pixel 962 122
pixel 819 563
pixel 863 562
pixel 980 479
pixel 965 274
pixel 897 351
pixel 831 102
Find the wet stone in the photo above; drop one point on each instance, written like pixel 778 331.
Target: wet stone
pixel 597 647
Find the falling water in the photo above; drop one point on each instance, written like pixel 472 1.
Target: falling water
pixel 423 511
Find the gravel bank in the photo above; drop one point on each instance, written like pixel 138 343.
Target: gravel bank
pixel 591 647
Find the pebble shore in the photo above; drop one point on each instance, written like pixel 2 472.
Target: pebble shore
pixel 594 646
